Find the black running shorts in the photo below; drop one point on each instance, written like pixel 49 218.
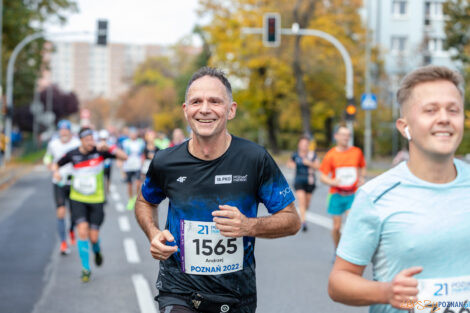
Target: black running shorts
pixel 92 213
pixel 61 194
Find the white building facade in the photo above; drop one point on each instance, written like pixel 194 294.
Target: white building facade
pixel 93 71
pixel 409 33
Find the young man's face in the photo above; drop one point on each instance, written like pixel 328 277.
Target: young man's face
pixel 208 107
pixel 434 115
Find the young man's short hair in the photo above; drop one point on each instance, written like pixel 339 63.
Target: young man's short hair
pixel 425 74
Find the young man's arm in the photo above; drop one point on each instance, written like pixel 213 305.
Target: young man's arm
pixel 144 213
pixel 232 223
pixel 346 285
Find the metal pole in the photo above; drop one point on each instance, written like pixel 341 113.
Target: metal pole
pixel 10 77
pixel 368 130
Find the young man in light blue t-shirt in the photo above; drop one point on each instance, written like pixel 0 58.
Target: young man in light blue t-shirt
pixel 413 222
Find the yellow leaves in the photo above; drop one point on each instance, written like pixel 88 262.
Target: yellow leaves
pixel 467 119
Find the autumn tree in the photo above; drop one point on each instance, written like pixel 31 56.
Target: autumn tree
pixel 457 27
pixel 280 88
pixel 20 19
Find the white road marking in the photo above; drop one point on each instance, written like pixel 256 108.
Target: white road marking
pixel 124 224
pixel 319 220
pixel 119 207
pixel 144 295
pixel 131 251
pixel 112 188
pixel 116 197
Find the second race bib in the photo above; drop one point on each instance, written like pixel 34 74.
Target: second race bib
pixel 452 293
pixel 85 184
pixel 347 176
pixel 206 252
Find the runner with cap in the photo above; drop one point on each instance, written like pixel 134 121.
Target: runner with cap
pixel 56 148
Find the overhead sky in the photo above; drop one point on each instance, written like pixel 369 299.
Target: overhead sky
pixel 132 21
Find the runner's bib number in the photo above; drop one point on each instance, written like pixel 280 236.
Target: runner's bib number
pixel 85 184
pixel 450 294
pixel 207 252
pixel 347 176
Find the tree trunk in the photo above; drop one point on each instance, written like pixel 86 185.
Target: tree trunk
pixel 302 20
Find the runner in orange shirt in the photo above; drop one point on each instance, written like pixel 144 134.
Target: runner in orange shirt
pixel 343 168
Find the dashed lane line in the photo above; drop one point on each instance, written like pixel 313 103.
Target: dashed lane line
pixel 319 220
pixel 144 295
pixel 119 207
pixel 124 224
pixel 130 249
pixel 116 197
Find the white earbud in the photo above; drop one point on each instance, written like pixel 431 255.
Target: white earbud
pixel 407 133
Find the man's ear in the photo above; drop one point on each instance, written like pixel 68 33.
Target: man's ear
pixel 232 110
pixel 402 126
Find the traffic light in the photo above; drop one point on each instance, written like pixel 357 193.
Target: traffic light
pixel 350 111
pixel 102 34
pixel 272 30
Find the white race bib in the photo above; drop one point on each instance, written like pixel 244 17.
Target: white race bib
pixel 347 176
pixel 85 184
pixel 207 252
pixel 452 293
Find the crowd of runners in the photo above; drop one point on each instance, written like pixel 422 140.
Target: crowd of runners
pixel 400 222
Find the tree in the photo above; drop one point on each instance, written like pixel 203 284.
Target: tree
pixel 457 27
pixel 20 19
pixel 279 88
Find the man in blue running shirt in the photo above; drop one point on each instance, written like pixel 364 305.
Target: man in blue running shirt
pixel 214 183
pixel 412 222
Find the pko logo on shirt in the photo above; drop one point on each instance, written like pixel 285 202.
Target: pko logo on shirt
pixel 223 179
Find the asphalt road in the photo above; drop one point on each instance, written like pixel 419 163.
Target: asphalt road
pixel 292 272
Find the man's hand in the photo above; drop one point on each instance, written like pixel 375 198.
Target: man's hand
pixel 231 222
pixel 404 287
pixel 56 175
pixel 159 249
pixel 102 146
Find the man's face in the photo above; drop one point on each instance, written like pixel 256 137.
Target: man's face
pixel 88 143
pixel 342 137
pixel 64 134
pixel 434 115
pixel 208 107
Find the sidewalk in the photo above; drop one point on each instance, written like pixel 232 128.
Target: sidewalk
pixel 10 172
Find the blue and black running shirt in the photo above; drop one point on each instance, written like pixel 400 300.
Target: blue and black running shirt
pixel 206 261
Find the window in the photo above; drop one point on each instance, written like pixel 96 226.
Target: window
pixel 433 9
pixel 398 44
pixel 400 8
pixel 435 45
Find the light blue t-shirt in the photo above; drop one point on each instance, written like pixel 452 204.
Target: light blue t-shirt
pixel 399 221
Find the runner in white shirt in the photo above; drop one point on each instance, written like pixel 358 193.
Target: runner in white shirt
pixel 134 148
pixel 57 148
pixel 412 222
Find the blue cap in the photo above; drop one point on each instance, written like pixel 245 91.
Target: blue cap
pixel 64 124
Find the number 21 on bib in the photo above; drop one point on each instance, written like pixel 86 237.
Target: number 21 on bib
pixel 206 252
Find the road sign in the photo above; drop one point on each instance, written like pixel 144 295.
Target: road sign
pixel 368 101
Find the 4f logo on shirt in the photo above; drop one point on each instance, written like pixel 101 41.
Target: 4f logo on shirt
pixel 181 179
pixel 223 179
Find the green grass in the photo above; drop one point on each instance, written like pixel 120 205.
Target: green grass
pixel 32 157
